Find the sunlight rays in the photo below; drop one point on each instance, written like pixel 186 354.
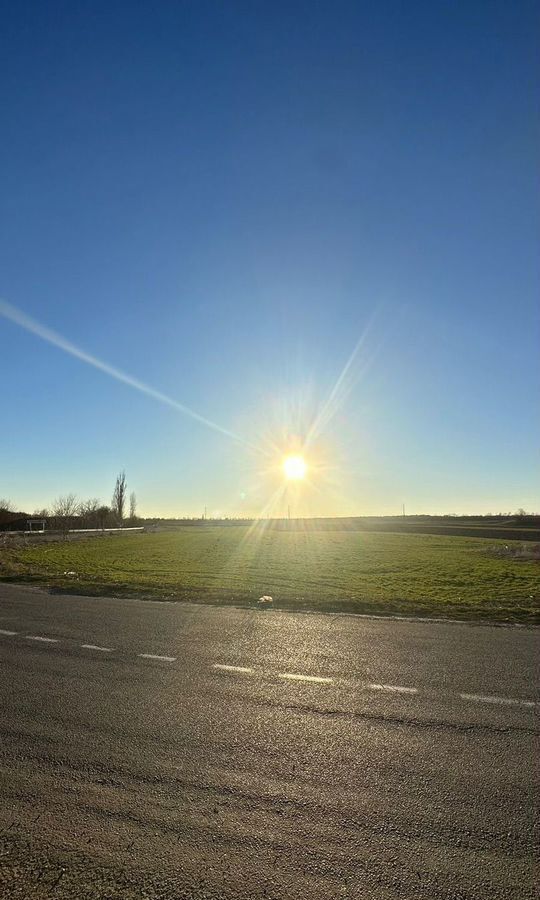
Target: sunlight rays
pixel 345 382
pixel 298 425
pixel 52 337
pixel 292 466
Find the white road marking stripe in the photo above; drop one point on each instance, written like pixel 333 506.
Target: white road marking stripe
pixel 316 678
pixel 292 676
pixel 393 687
pixel 95 647
pixel 154 656
pixel 45 640
pixel 232 668
pixel 505 701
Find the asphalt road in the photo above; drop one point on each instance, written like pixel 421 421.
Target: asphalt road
pixel 167 750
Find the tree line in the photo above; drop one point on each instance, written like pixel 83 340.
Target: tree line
pixel 69 511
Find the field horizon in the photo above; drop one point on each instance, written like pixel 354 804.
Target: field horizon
pixel 507 526
pixel 470 578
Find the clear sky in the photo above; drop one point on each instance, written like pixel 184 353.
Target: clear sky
pixel 222 200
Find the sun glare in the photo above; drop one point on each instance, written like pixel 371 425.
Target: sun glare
pixel 294 467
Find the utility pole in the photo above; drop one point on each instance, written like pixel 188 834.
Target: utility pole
pixel 403 508
pixel 204 517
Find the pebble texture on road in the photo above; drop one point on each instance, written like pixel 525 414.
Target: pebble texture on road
pixel 166 750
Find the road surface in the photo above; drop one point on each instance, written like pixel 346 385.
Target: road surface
pixel 177 751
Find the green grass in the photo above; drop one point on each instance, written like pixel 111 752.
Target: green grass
pixel 408 574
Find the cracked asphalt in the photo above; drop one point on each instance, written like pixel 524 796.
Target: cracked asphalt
pixel 154 750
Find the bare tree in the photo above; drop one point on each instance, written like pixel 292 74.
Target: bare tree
pixel 119 496
pixel 64 509
pixel 133 506
pixel 88 510
pixel 41 513
pixel 102 514
pixel 7 510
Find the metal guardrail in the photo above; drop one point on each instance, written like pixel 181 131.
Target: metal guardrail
pixel 75 530
pixel 98 530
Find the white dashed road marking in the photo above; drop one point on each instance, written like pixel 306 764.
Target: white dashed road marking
pixel 95 647
pixel 393 687
pixel 154 656
pixel 38 637
pixel 224 668
pixel 289 676
pixel 505 701
pixel 316 678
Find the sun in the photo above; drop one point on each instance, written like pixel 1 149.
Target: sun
pixel 294 467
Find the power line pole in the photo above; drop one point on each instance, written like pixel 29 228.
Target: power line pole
pixel 403 508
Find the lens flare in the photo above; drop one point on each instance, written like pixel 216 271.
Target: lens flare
pixel 57 340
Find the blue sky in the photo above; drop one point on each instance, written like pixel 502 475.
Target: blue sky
pixel 223 200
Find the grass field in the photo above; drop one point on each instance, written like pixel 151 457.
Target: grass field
pixel 456 577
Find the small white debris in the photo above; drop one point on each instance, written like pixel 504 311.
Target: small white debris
pixel 265 601
pixel 71 574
